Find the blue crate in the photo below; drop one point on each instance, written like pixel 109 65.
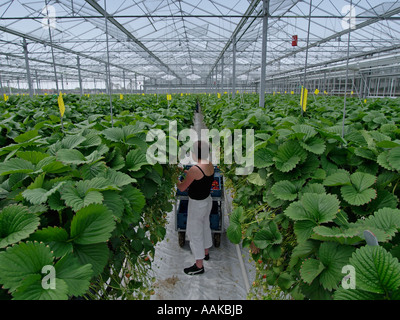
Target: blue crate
pixel 215 215
pixel 182 214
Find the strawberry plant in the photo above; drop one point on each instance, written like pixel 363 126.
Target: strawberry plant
pixel 83 203
pixel 303 209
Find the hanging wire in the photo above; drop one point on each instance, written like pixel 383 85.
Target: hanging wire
pixel 306 62
pixel 51 45
pixel 347 67
pixel 108 71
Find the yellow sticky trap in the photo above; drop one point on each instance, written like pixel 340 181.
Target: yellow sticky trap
pixel 316 92
pixel 219 95
pixel 365 100
pixel 181 94
pixel 169 98
pixel 305 100
pixel 273 93
pixel 325 92
pixel 61 105
pixel 5 97
pixel 291 92
pixel 121 97
pixel 301 96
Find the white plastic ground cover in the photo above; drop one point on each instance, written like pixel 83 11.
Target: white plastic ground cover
pixel 222 279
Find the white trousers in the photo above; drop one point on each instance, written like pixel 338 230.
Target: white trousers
pixel 198 226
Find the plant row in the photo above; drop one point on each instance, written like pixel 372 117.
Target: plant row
pixel 81 210
pixel 315 190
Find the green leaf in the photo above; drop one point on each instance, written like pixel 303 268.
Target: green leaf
pixel 56 238
pixel 16 223
pixel 134 197
pixel 334 257
pixel 256 179
pixel 383 161
pixel 113 201
pixel 339 178
pixel 16 166
pixel 76 276
pixel 263 158
pixel 359 192
pixel 72 156
pixel 32 156
pixel 234 231
pixel 335 234
pixel 289 155
pixel 285 190
pixel 384 223
pixel 320 208
pixel 303 230
pixel 394 158
pixel 40 195
pixel 350 294
pixel 77 199
pixel 310 269
pixel 29 135
pixel 135 160
pixel 314 145
pixel 32 289
pixel 94 254
pixel 117 178
pixel 22 260
pixel 376 269
pixel 285 281
pixel 72 142
pixel 92 224
pixel 267 236
pixel 306 131
pixel 387 144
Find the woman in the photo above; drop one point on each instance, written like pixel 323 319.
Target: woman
pixel 199 179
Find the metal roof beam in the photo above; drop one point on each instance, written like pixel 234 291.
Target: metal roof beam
pixel 130 36
pixel 61 48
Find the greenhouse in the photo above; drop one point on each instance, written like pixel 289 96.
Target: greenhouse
pixel 138 135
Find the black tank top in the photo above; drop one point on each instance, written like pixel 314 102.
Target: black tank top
pixel 200 189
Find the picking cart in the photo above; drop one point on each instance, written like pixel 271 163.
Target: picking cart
pixel 216 215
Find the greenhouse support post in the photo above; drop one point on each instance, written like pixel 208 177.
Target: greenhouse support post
pixel 222 74
pixel 108 70
pixel 28 71
pixel 264 54
pixel 234 67
pixel 216 79
pixel 308 45
pixel 51 45
pixel 78 62
pixel 347 70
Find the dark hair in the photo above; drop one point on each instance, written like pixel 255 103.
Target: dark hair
pixel 201 149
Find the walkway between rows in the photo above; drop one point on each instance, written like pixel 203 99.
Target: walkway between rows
pixel 222 278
